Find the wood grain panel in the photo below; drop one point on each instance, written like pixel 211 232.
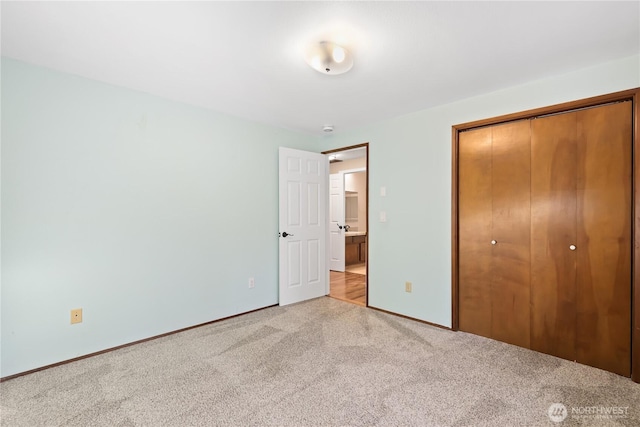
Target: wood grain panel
pixel 553 225
pixel 603 326
pixel 351 252
pixel 635 278
pixel 474 212
pixel 511 185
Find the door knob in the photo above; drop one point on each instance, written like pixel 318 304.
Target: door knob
pixel 285 234
pixel 493 242
pixel 572 247
pixel 339 226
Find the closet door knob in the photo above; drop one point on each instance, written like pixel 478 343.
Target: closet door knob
pixel 572 247
pixel 493 242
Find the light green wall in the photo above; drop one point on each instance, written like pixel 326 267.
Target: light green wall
pixel 150 215
pixel 411 156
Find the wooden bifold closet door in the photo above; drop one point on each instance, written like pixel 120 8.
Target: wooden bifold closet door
pixel 494 233
pixel 544 234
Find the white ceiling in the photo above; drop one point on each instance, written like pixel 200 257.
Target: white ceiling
pixel 245 58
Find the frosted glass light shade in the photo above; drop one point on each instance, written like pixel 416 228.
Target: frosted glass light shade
pixel 329 58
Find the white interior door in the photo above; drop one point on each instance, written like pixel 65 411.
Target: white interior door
pixel 303 225
pixel 336 221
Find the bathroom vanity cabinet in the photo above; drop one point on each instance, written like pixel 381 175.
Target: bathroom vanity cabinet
pixel 355 250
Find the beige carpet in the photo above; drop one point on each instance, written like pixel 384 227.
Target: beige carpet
pixel 319 363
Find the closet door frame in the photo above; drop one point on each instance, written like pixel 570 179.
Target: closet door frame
pixel 632 95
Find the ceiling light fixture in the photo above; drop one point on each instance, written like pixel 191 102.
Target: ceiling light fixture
pixel 329 58
pixel 328 128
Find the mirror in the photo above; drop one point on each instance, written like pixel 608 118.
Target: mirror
pixel 351 206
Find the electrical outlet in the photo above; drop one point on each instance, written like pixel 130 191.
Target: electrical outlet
pixel 407 286
pixel 76 316
pixel 252 282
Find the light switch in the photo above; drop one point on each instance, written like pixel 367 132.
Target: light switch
pixel 383 191
pixel 383 216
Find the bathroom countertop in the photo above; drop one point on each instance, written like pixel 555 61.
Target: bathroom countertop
pixel 355 233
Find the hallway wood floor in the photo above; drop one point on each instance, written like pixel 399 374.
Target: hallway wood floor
pixel 356 268
pixel 349 287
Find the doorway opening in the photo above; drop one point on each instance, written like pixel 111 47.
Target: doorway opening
pixel 349 223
